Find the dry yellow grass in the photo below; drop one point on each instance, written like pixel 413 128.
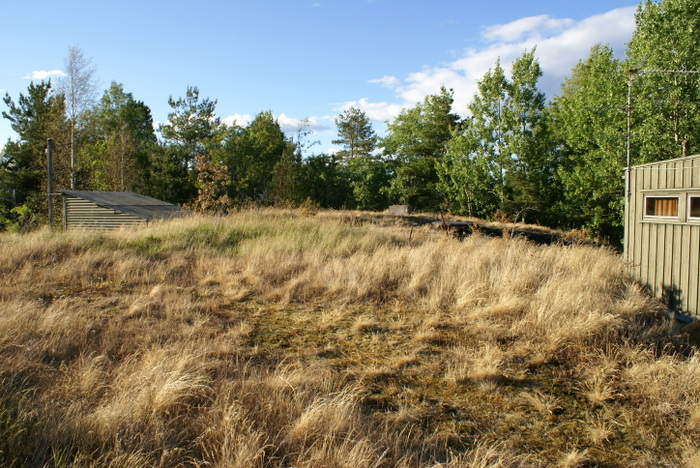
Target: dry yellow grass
pixel 283 338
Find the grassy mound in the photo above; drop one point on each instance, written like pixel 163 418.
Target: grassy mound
pixel 273 339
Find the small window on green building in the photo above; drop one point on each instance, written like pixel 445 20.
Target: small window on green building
pixel 666 207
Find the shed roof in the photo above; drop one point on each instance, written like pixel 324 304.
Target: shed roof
pixel 135 204
pixel 664 161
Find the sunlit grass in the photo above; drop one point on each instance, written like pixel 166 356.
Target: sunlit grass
pixel 276 338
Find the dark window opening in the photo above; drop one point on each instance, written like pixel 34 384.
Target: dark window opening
pixel 694 207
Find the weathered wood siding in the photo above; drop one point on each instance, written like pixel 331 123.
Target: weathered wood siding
pixel 665 252
pixel 84 214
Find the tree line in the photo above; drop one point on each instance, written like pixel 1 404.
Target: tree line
pixel 517 156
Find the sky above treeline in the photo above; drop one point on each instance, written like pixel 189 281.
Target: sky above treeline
pixel 302 59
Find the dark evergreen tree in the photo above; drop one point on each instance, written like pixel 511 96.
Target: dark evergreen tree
pixel 355 135
pixel 191 127
pixel 327 183
pixel 35 117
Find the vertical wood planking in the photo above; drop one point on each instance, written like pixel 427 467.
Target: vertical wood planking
pixel 666 256
pixel 693 267
pixel 682 263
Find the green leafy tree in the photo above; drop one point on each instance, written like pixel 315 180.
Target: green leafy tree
pixel 327 183
pixel 251 154
pixel 480 152
pixel 288 178
pixel 416 140
pixel 35 117
pixel 500 160
pixel 121 130
pixel 79 87
pixel 368 178
pixel 529 140
pixel 664 53
pixel 589 126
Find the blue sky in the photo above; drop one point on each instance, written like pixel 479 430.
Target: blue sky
pixel 302 59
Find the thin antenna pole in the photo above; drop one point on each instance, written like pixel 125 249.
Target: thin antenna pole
pixel 628 144
pixel 630 76
pixel 49 184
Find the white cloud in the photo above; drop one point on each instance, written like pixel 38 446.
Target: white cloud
pixel 290 125
pixel 560 43
pixel 42 75
pixel 531 26
pixel 386 81
pixel 237 119
pixel 379 111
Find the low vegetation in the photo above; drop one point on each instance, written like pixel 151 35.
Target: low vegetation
pixel 281 338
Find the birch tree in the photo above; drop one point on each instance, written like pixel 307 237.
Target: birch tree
pixel 79 89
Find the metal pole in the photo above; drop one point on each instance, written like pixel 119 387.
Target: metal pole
pixel 49 185
pixel 628 161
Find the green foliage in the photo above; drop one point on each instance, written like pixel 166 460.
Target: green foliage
pixel 355 134
pixel 666 106
pixel 368 177
pixel 121 137
pixel 289 186
pixel 192 126
pixel 366 174
pixel 167 179
pixel 417 139
pixel 35 117
pixel 589 125
pixel 251 154
pixel 501 160
pixel 327 183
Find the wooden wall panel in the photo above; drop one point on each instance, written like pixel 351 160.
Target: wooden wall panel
pixel 665 256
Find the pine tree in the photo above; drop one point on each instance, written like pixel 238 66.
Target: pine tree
pixel 35 117
pixel 355 135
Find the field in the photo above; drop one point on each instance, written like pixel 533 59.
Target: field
pixel 281 338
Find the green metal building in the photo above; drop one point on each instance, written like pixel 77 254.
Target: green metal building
pixel 662 230
pixel 94 210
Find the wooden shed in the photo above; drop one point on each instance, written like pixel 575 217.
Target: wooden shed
pixel 111 210
pixel 662 230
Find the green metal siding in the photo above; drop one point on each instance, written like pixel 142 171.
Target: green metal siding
pixel 84 214
pixel 665 253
